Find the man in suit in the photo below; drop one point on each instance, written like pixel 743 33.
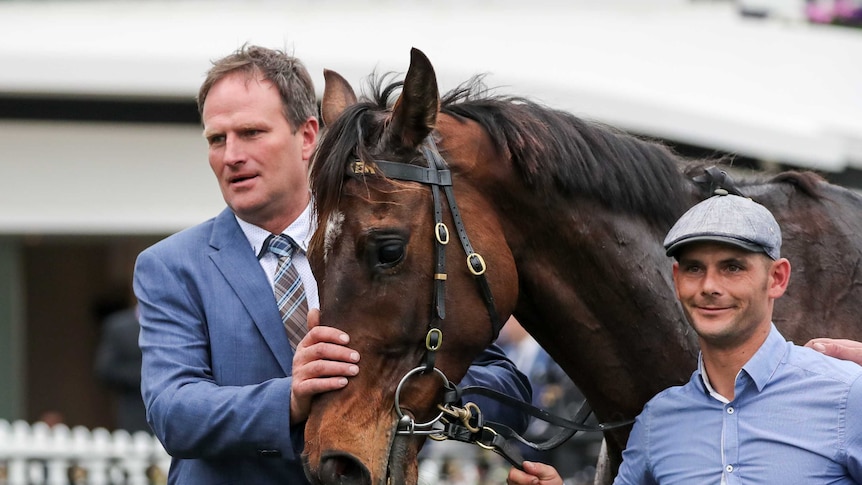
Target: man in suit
pixel 225 390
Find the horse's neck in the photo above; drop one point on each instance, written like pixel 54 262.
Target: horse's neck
pixel 597 293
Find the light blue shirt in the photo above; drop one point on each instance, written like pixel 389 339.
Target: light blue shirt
pixel 796 419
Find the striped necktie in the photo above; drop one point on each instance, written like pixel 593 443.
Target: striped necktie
pixel 289 291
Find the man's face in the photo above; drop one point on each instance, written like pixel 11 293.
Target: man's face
pixel 726 292
pixel 261 163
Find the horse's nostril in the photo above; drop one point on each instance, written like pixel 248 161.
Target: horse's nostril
pixel 343 469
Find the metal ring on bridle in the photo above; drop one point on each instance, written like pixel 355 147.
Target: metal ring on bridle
pixel 433 341
pixel 441 233
pixel 476 264
pixel 483 445
pixel 470 408
pixel 398 397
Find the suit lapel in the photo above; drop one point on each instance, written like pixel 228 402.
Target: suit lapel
pixel 238 264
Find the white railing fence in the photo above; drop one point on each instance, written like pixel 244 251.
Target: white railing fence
pixel 36 454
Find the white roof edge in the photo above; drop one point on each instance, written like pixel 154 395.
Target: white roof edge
pixel 693 72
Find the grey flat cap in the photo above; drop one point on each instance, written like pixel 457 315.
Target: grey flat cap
pixel 727 219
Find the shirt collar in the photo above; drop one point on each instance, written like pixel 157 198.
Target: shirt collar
pixel 760 367
pixel 704 379
pixel 299 230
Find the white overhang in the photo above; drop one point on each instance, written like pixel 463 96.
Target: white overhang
pixel 692 72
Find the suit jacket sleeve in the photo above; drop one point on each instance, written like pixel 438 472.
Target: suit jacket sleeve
pixel 493 369
pixel 211 384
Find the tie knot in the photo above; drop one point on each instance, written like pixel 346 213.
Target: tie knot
pixel 280 245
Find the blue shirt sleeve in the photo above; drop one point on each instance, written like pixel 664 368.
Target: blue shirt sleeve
pixel 853 436
pixel 635 467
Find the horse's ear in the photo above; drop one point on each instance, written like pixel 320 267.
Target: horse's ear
pixel 337 96
pixel 415 113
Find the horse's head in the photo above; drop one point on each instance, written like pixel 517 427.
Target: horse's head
pixel 376 255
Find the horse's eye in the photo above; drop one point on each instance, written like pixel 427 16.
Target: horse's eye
pixel 390 253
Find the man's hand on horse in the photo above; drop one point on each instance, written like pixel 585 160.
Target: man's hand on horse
pixel 534 474
pixel 322 362
pixel 839 348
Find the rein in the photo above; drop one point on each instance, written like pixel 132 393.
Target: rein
pixel 455 422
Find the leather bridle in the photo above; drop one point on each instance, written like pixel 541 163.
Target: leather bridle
pixel 463 423
pixel 437 176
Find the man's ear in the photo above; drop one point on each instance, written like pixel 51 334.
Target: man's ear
pixel 309 131
pixel 675 276
pixel 779 277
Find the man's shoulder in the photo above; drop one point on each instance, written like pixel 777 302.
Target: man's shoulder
pixel 841 380
pixel 192 238
pixel 813 362
pixel 681 396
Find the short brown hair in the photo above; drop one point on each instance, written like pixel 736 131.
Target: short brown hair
pixel 286 72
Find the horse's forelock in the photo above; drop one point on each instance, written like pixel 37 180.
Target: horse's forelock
pixel 335 149
pixel 344 141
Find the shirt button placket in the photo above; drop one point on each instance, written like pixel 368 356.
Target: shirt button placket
pixel 730 444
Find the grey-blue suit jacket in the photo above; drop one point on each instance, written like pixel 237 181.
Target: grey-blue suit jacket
pixel 217 362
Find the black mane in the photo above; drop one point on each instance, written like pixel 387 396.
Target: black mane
pixel 556 153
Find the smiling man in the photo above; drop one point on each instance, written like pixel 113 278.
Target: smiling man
pixel 758 409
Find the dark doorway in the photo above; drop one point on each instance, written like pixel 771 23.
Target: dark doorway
pixel 71 284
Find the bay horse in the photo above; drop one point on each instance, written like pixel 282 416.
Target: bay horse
pixel 568 217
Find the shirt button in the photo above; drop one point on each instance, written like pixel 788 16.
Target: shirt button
pixel 730 410
pixel 729 468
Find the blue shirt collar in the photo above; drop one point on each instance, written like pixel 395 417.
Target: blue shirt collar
pixel 760 367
